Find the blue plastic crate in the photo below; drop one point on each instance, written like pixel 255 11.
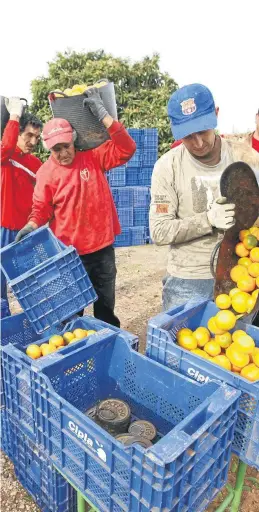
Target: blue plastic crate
pixel 117 177
pixel 5 311
pixel 55 290
pixel 16 364
pixel 125 216
pixel 137 135
pixel 124 239
pixel 138 235
pixel 32 250
pixel 141 197
pixel 149 157
pixel 161 347
pixel 187 466
pixel 145 176
pixel 18 329
pixel 136 159
pixel 36 473
pixel 124 197
pixel 150 138
pixel 140 216
pixel 132 176
pixel 6 441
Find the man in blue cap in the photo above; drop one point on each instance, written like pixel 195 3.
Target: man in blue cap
pixel 187 212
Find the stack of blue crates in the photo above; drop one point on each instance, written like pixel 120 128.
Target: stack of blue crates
pixel 130 185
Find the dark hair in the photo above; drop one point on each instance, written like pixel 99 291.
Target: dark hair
pixel 28 118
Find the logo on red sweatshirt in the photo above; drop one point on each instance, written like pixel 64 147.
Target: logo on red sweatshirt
pixel 85 174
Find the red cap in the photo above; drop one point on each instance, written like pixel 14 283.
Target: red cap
pixel 57 131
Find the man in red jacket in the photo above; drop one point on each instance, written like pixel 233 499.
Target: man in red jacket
pixel 73 195
pixel 18 169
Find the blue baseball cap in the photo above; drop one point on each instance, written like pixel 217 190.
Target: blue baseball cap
pixel 191 109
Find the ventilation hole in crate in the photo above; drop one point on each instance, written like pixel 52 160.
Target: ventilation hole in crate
pixel 56 452
pixel 100 493
pixel 121 492
pixel 171 412
pixel 75 392
pixel 147 397
pixel 130 368
pixel 72 447
pixel 98 472
pixel 129 386
pixel 90 365
pixel 116 508
pixel 23 387
pixel 172 362
pixel 122 470
pixel 74 369
pixel 244 423
pixel 202 502
pixel 74 469
pixel 247 403
pixel 56 382
pixel 173 331
pixel 193 402
pixel 55 433
pixel 239 442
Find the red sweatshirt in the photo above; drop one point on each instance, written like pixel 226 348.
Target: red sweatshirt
pixel 76 199
pixel 16 185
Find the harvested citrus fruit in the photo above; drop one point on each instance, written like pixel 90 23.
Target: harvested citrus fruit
pixel 254 255
pixel 222 361
pixel 246 284
pixel 223 301
pixel 253 269
pixel 187 341
pixel 33 351
pixel 68 336
pixel 235 369
pixel 255 231
pixel 257 282
pixel 250 372
pixel 250 241
pixel 243 233
pixel 245 344
pixel 241 250
pixel 240 302
pixel 202 336
pixel 198 352
pixel 57 340
pixel 213 328
pixel 233 292
pixel 224 340
pixel 238 272
pixel 245 262
pixel 236 357
pixel 255 356
pixel 212 348
pixel 250 304
pixel 184 330
pixel 236 335
pixel 255 294
pixel 48 348
pixel 80 333
pixel 225 320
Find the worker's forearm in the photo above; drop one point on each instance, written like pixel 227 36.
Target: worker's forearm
pixel 32 224
pixel 107 121
pixel 166 231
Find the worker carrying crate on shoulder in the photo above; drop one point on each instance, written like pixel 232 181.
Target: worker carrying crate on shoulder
pixel 186 211
pixel 73 195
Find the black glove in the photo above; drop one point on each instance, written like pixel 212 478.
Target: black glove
pixel 24 231
pixel 95 103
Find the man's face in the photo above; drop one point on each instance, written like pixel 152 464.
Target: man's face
pixel 28 140
pixel 64 153
pixel 200 144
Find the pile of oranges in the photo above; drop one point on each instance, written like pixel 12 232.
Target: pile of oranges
pixel 56 342
pixel 233 351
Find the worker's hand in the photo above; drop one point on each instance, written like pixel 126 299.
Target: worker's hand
pixel 14 106
pixel 95 103
pixel 28 228
pixel 221 214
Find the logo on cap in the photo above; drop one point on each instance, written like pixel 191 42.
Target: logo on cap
pixel 54 130
pixel 188 107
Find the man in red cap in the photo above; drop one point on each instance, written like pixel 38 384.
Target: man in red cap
pixel 18 169
pixel 73 195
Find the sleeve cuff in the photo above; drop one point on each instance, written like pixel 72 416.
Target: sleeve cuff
pixel 115 127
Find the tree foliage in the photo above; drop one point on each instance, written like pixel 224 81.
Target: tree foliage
pixel 142 90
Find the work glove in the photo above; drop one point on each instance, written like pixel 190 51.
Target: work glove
pixel 221 214
pixel 95 103
pixel 14 106
pixel 23 232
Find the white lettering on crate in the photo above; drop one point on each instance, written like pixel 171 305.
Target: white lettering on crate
pixel 195 374
pixel 87 440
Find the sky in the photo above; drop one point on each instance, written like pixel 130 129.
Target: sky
pixel 214 43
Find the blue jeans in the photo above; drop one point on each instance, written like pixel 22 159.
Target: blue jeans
pixel 179 291
pixel 7 237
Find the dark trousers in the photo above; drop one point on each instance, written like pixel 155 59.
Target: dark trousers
pixel 101 268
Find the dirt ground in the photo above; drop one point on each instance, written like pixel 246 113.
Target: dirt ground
pixel 140 270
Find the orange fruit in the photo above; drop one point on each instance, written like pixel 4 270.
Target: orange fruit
pixel 187 341
pixel 237 334
pixel 254 255
pixel 250 304
pixel 239 302
pixel 245 262
pixel 250 241
pixel 257 282
pixel 213 328
pixel 245 344
pixel 243 233
pixel 33 351
pixel 238 272
pixel 255 231
pixel 246 284
pixel 222 361
pixel 57 340
pixel 68 336
pixel 224 340
pixel 253 269
pixel 223 301
pixel 184 330
pixel 80 333
pixel 225 320
pixel 255 356
pixel 236 357
pixel 202 336
pixel 255 294
pixel 240 250
pixel 48 348
pixel 233 292
pixel 250 372
pixel 212 348
pixel 235 369
pixel 198 352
